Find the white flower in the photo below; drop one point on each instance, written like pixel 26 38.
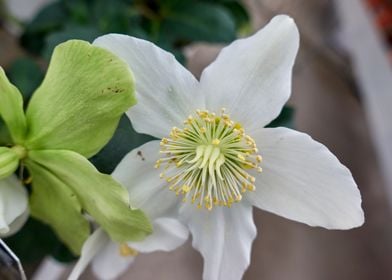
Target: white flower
pixel 212 142
pixel 13 206
pixel 110 259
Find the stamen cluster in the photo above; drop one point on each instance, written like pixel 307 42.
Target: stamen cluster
pixel 207 160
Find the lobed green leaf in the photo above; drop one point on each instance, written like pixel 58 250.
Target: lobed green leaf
pixel 80 102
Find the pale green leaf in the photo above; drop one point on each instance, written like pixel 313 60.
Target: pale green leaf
pixel 11 109
pixel 99 194
pixel 54 203
pixel 80 102
pixel 9 162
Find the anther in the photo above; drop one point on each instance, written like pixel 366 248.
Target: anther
pixel 209 159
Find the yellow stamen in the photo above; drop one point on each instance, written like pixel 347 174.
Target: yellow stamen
pixel 209 159
pixel 127 251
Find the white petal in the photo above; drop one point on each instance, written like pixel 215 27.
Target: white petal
pixel 52 267
pixel 13 203
pixel 109 264
pixel 93 246
pixel 303 181
pixel 168 234
pixel 147 190
pixel 251 77
pixel 18 223
pixel 165 89
pixel 224 237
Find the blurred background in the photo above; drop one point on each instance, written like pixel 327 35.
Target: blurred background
pixel 342 95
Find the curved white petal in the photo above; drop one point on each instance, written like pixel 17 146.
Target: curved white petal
pixel 147 190
pixel 109 263
pixel 303 181
pixel 224 237
pixel 93 246
pixel 168 234
pixel 251 77
pixel 13 203
pixel 166 91
pixel 17 224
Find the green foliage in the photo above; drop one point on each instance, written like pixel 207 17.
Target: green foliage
pixel 86 89
pixel 49 19
pixel 198 22
pixel 239 14
pixel 36 240
pixel 27 75
pixel 5 137
pixel 285 118
pixel 124 140
pixel 70 32
pixel 172 24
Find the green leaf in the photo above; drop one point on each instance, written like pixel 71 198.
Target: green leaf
pixel 5 137
pixel 198 21
pixel 49 19
pixel 124 140
pixel 285 118
pixel 61 253
pixel 78 10
pixel 112 16
pixel 80 102
pixel 53 202
pixel 9 162
pixel 240 16
pixel 11 109
pixel 25 74
pixel 99 194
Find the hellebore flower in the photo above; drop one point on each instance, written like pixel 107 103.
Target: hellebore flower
pixel 110 259
pixel 213 140
pixel 69 118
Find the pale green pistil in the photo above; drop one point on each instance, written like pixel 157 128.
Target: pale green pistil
pixel 207 160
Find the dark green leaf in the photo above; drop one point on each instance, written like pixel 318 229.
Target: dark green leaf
pixel 61 253
pixel 239 14
pixel 86 33
pixel 36 240
pixel 49 19
pixel 124 140
pixel 198 22
pixel 112 16
pixel 26 75
pixel 284 119
pixel 5 137
pixel 78 10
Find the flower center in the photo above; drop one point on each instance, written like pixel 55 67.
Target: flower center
pixel 207 160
